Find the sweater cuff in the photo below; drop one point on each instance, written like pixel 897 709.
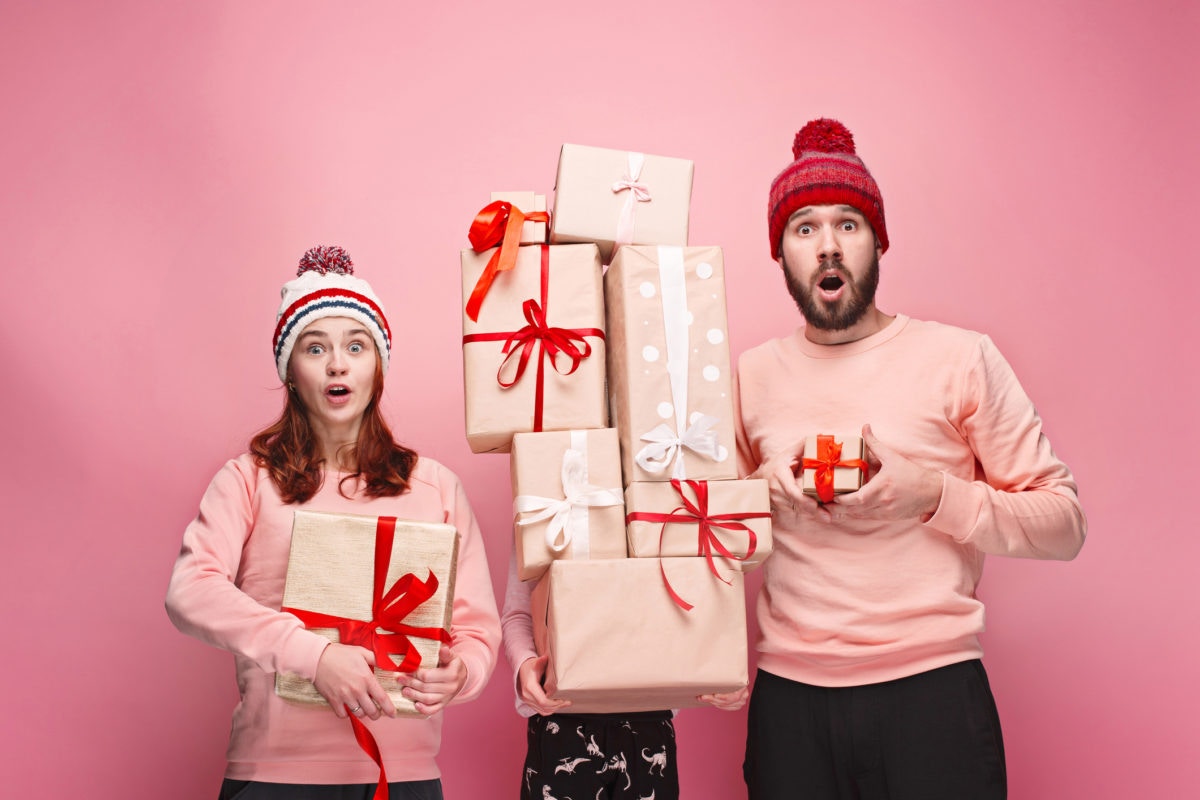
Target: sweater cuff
pixel 303 653
pixel 958 509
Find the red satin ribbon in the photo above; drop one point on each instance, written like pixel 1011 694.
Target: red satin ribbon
pixel 497 224
pixel 388 610
pixel 829 456
pixel 551 342
pixel 707 541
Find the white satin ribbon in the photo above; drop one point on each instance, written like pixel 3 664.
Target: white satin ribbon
pixel 638 193
pixel 667 445
pixel 568 515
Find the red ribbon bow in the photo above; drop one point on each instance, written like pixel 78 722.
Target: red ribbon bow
pixel 385 634
pixel 829 456
pixel 707 541
pixel 550 341
pixel 497 223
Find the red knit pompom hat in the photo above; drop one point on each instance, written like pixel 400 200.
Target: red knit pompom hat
pixel 325 286
pixel 827 171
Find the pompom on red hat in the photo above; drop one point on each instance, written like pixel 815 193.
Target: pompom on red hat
pixel 826 171
pixel 325 286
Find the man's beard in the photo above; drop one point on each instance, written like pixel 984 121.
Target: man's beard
pixel 850 308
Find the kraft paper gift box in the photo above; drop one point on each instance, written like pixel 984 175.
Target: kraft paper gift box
pixel 618 643
pixel 531 232
pixel 534 359
pixel 567 499
pixel 333 580
pixel 617 197
pixel 832 465
pixel 700 518
pixel 666 306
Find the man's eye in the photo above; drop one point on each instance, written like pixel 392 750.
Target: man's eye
pixel 849 225
pixel 804 230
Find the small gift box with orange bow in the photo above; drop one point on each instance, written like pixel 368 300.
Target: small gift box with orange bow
pixel 833 465
pixel 616 197
pixel 533 208
pixel 377 582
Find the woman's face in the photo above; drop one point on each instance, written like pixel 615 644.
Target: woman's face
pixel 333 369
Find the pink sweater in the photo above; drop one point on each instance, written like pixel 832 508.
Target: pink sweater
pixel 865 602
pixel 226 590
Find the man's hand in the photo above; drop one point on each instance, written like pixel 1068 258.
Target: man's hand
pixel 345 678
pixel 530 675
pixel 898 489
pixel 790 506
pixel 726 701
pixel 432 689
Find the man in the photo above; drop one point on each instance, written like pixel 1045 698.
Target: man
pixel 869 683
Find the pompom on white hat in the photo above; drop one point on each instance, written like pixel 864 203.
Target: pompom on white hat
pixel 325 286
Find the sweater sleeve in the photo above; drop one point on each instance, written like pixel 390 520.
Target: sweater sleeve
pixel 1023 500
pixel 747 462
pixel 203 599
pixel 517 621
pixel 474 621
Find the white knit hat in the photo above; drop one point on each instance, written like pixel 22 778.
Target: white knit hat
pixel 325 286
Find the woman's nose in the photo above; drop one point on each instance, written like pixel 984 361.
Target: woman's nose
pixel 336 364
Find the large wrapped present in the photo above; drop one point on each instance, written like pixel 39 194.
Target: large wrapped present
pixel 669 370
pixel 619 643
pixel 533 208
pixel 567 500
pixel 719 520
pixel 378 582
pixel 833 465
pixel 615 197
pixel 534 358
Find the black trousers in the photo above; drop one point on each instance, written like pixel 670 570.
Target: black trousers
pixel 256 790
pixel 601 757
pixel 931 736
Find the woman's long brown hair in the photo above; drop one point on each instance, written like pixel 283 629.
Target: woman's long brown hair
pixel 289 452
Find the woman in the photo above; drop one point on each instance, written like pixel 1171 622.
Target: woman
pixel 330 451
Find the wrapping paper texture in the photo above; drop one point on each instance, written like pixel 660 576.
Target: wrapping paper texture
pixel 586 209
pixel 845 479
pixel 641 395
pixel 331 570
pixel 680 539
pixel 536 469
pixel 618 643
pixel 531 232
pixel 574 300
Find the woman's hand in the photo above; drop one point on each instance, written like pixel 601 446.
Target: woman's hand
pixel 432 689
pixel 346 679
pixel 726 701
pixel 530 675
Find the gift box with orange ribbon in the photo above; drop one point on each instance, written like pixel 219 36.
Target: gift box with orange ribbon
pixel 616 197
pixel 832 465
pixel 533 342
pixel 533 227
pixel 567 499
pixel 377 582
pixel 669 370
pixel 618 643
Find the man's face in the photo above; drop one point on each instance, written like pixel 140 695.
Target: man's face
pixel 830 260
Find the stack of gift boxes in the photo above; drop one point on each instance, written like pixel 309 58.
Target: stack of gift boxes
pixel 612 392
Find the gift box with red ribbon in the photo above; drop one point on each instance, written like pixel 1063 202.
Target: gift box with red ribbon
pixel 567 499
pixel 377 582
pixel 832 465
pixel 618 643
pixel 533 207
pixel 616 197
pixel 534 351
pixel 669 370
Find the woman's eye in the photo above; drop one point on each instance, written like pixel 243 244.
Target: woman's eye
pixel 314 350
pixel 356 348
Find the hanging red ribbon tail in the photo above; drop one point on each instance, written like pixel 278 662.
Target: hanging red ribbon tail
pixel 497 224
pixel 367 742
pixel 829 456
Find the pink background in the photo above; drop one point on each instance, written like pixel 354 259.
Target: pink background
pixel 164 165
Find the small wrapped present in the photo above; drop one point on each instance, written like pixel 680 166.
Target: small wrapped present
pixel 533 207
pixel 567 499
pixel 534 359
pixel 728 520
pixel 669 370
pixel 615 197
pixel 618 642
pixel 378 582
pixel 833 465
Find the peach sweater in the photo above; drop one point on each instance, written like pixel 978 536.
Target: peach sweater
pixel 866 602
pixel 227 588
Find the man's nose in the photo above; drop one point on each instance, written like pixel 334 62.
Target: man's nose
pixel 829 247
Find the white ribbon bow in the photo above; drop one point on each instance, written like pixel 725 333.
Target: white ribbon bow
pixel 568 516
pixel 665 445
pixel 638 193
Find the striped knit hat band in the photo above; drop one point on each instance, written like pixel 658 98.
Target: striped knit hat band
pixel 325 286
pixel 826 171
